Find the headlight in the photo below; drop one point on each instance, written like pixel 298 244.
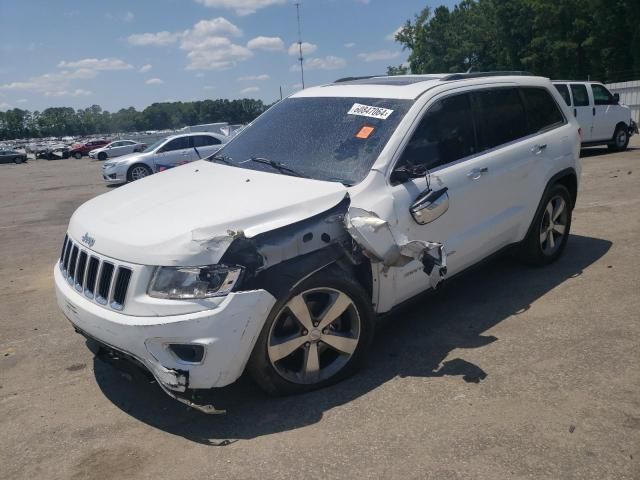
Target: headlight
pixel 183 283
pixel 109 164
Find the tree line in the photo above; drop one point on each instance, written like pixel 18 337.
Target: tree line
pixel 63 121
pixel 560 39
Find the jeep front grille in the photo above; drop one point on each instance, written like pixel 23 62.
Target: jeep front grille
pixel 97 278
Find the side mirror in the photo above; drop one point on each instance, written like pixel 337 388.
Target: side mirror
pixel 407 172
pixel 430 205
pixel 616 98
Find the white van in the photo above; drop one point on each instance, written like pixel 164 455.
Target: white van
pixel 338 204
pixel 602 119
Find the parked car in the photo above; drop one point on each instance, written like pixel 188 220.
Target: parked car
pixel 81 149
pixel 603 121
pixel 11 156
pixel 117 149
pixel 166 153
pixel 54 152
pixel 336 205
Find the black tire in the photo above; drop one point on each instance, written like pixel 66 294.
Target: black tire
pixel 18 160
pixel 131 177
pixel 102 156
pixel 77 155
pixel 620 139
pixel 533 250
pixel 260 366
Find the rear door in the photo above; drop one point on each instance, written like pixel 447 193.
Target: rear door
pixel 583 110
pixel 606 113
pixel 177 151
pixel 206 145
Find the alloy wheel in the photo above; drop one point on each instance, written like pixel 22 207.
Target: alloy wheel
pixel 314 336
pixel 139 172
pixel 554 225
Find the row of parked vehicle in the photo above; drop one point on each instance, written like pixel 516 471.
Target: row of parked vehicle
pixel 276 254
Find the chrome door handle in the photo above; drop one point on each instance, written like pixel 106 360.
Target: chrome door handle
pixel 476 173
pixel 538 148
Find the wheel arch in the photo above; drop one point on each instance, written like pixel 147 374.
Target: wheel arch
pixel 132 166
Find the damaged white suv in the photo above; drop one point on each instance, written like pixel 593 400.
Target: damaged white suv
pixel 339 203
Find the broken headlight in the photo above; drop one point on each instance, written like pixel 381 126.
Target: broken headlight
pixel 185 283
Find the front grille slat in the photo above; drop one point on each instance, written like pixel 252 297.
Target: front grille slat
pixel 92 276
pixel 97 278
pixel 120 288
pixel 104 283
pixel 80 270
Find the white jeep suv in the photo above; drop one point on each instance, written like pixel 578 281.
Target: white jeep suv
pixel 339 203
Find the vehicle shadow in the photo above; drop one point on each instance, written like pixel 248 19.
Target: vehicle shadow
pixel 413 342
pixel 597 151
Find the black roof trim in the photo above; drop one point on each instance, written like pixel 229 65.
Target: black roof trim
pixel 465 76
pixel 351 79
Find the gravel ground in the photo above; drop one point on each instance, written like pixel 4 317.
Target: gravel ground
pixel 507 372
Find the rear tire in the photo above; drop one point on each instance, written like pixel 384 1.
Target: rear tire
pixel 620 139
pixel 102 156
pixel 77 155
pixel 18 160
pixel 299 352
pixel 547 237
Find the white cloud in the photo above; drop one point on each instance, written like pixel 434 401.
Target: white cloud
pixel 22 100
pixel 307 49
pixel 79 92
pixel 209 87
pixel 4 106
pixel 350 45
pixel 266 43
pixel 219 26
pixel 250 90
pixel 392 35
pixel 128 17
pixel 145 68
pixel 250 78
pixel 329 62
pixel 241 7
pixel 96 64
pixel 154 81
pixel 159 39
pixel 56 93
pixel 379 55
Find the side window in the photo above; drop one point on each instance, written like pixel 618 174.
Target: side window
pixel 444 135
pixel 580 96
pixel 116 144
pixel 179 143
pixel 601 96
pixel 542 111
pixel 500 117
pixel 204 140
pixel 564 91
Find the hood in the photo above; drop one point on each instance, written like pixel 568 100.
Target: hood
pixel 189 215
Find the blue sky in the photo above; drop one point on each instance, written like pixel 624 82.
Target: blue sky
pixel 132 53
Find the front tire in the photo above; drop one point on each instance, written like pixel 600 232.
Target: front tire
pixel 547 237
pixel 316 335
pixel 18 160
pixel 620 139
pixel 102 156
pixel 77 155
pixel 138 171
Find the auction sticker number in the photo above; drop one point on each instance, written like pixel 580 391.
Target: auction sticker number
pixel 369 111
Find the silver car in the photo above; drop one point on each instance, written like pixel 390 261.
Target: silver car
pixel 166 153
pixel 117 149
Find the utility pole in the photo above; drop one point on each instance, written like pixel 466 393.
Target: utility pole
pixel 300 44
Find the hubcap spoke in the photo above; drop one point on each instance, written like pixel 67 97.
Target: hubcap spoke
pixel 558 210
pixel 543 236
pixel 341 303
pixel 340 343
pixel 549 211
pixel 312 361
pixel 285 348
pixel 552 241
pixel 559 229
pixel 300 310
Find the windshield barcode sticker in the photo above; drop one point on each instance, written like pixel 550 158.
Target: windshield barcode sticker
pixel 368 111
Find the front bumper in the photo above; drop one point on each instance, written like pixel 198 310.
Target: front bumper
pixel 114 176
pixel 227 333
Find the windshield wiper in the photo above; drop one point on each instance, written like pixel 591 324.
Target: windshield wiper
pixel 220 158
pixel 281 167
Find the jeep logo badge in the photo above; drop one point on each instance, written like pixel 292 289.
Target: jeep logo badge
pixel 88 240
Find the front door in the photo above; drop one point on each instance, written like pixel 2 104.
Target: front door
pixel 583 110
pixel 606 109
pixel 175 152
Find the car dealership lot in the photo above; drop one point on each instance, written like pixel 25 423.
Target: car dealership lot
pixel 507 372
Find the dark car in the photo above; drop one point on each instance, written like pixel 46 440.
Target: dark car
pixel 80 149
pixel 9 156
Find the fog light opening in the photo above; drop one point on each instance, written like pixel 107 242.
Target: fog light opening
pixel 188 352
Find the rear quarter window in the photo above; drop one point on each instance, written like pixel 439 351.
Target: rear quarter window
pixel 543 112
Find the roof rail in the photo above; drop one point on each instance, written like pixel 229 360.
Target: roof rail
pixel 350 79
pixel 464 76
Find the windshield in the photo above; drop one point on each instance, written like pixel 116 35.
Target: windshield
pixel 156 144
pixel 326 138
